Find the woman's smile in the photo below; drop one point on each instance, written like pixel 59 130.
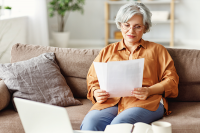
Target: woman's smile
pixel 131 36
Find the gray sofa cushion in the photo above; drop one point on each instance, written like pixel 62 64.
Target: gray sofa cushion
pixel 74 63
pixel 38 79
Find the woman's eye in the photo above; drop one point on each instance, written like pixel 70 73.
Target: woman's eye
pixel 126 25
pixel 137 27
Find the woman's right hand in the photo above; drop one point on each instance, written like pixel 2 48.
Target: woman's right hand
pixel 101 95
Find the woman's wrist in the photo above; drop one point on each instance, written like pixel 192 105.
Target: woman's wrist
pixel 149 91
pixel 156 89
pixel 94 95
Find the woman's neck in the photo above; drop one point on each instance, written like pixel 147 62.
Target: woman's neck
pixel 131 46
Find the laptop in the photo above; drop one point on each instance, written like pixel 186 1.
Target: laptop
pixel 44 118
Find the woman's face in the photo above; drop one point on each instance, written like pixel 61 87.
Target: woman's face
pixel 133 29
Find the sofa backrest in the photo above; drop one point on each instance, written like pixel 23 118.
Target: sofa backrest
pixel 74 65
pixel 187 63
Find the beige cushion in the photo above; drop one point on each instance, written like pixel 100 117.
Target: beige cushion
pixel 77 113
pixel 185 117
pixel 4 95
pixel 10 122
pixel 187 62
pixel 38 79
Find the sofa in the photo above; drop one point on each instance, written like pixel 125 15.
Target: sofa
pixel 74 65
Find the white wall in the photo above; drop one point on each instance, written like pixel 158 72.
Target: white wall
pixel 89 28
pixel 36 11
pixel 187 31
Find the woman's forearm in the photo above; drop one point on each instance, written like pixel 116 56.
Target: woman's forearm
pixel 156 89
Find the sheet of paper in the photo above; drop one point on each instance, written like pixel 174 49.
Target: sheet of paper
pixel 119 128
pixel 119 78
pixel 101 71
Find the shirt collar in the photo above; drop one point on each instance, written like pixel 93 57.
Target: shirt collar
pixel 122 46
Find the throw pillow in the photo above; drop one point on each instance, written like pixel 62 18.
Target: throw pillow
pixel 38 79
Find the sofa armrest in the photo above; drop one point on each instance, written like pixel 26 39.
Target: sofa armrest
pixel 4 95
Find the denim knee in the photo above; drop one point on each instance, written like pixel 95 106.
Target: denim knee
pixel 94 122
pixel 97 120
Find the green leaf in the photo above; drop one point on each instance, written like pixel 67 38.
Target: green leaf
pixel 63 6
pixel 8 7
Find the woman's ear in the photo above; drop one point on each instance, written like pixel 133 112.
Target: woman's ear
pixel 145 29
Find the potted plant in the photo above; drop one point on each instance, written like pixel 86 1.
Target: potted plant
pixel 62 9
pixel 7 11
pixel 0 11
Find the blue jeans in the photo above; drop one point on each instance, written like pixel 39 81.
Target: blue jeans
pixel 97 120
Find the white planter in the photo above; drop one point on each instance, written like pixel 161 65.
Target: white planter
pixel 7 12
pixel 60 39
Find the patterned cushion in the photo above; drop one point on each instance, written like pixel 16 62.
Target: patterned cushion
pixel 38 79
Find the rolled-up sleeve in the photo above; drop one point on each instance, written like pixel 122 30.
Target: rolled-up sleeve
pixel 168 76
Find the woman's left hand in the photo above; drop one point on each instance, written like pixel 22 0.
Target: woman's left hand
pixel 141 93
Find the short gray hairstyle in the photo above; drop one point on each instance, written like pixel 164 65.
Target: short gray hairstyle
pixel 127 11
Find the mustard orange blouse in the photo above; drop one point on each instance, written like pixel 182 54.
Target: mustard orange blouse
pixel 159 71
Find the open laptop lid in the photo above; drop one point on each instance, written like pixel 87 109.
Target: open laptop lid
pixel 42 118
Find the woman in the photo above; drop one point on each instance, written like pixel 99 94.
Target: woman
pixel 160 79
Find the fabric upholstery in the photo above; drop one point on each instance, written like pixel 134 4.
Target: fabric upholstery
pixel 187 64
pixel 38 79
pixel 10 122
pixel 72 62
pixel 77 113
pixel 185 117
pixel 77 84
pixel 4 95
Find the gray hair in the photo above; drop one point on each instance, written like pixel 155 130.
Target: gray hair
pixel 127 11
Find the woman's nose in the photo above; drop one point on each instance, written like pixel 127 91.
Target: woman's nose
pixel 131 30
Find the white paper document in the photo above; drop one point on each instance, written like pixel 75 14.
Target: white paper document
pixel 119 78
pixel 119 128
